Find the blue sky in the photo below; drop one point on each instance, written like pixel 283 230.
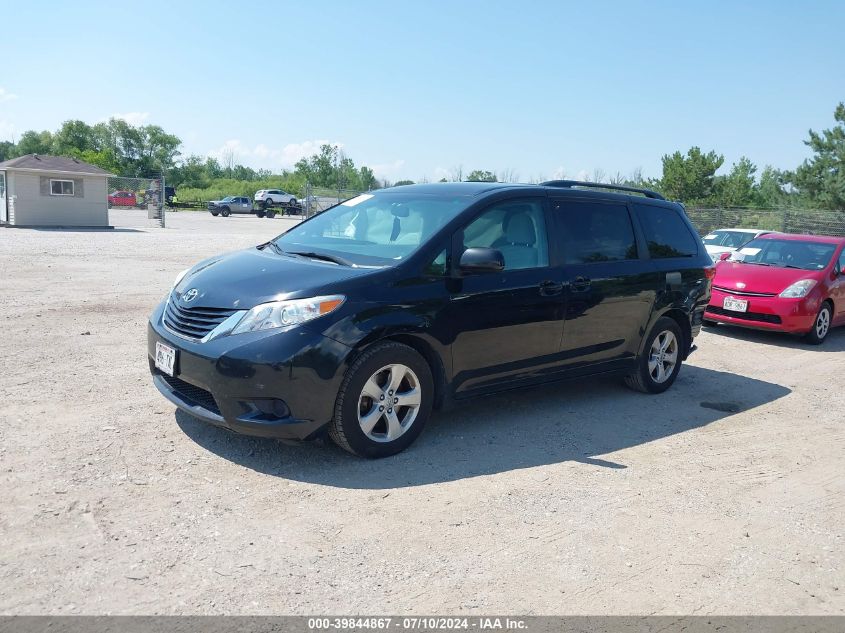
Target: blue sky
pixel 416 89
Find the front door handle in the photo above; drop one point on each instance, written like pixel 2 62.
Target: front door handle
pixel 550 288
pixel 580 284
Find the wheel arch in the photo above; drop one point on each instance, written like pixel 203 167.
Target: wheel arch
pixel 420 345
pixel 682 319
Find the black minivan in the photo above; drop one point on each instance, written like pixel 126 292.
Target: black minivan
pixel 361 320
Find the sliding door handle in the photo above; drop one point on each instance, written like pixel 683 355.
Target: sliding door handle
pixel 580 284
pixel 550 288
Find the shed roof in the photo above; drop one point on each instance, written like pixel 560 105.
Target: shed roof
pixel 38 162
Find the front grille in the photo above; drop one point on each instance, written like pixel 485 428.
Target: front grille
pixel 733 291
pixel 745 316
pixel 192 393
pixel 193 323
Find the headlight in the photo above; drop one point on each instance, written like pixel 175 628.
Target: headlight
pixel 798 289
pixel 284 313
pixel 180 277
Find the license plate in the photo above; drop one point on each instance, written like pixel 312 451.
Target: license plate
pixel 737 305
pixel 165 358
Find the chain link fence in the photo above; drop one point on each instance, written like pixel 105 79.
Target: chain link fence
pixel 808 221
pixel 317 199
pixel 137 202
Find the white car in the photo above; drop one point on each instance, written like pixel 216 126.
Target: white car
pixel 728 240
pixel 270 197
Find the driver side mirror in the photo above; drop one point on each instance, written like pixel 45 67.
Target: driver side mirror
pixel 482 260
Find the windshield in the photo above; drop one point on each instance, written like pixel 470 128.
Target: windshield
pixel 378 229
pixel 228 199
pixel 785 254
pixel 731 239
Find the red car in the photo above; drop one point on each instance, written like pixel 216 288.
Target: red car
pixel 122 199
pixel 789 283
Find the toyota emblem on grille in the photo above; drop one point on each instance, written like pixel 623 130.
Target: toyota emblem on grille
pixel 190 295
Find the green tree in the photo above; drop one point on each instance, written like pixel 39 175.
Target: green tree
pixel 738 188
pixel 689 178
pixel 73 138
pixel 33 142
pixel 822 177
pixel 771 193
pixel 400 183
pixel 7 150
pixel 367 179
pixel 481 176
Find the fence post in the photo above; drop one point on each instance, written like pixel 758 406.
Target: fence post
pixel 307 199
pixel 719 218
pixel 785 221
pixel 163 199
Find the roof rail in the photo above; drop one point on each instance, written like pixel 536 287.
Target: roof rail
pixel 568 184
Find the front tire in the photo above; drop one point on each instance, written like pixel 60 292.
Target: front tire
pixel 660 362
pixel 384 401
pixel 224 212
pixel 260 213
pixel 215 213
pixel 821 326
pixel 270 214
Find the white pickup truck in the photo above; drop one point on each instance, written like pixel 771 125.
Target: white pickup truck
pixel 270 197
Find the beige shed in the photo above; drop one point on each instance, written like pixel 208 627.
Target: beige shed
pixel 38 190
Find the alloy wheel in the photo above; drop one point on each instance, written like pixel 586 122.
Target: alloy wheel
pixel 389 403
pixel 663 356
pixel 823 323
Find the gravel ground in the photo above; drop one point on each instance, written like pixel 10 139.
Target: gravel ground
pixel 725 495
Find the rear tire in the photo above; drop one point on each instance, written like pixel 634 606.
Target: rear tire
pixel 660 361
pixel 369 408
pixel 268 203
pixel 270 214
pixel 224 212
pixel 821 326
pixel 260 213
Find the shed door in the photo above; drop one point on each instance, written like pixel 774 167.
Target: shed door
pixel 3 212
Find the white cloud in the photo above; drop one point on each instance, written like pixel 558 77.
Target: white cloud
pixel 559 173
pixel 387 170
pixel 264 156
pixel 441 173
pixel 295 151
pixel 7 131
pixel 132 118
pixel 5 96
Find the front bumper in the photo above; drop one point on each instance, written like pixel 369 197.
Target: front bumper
pixel 766 313
pixel 276 383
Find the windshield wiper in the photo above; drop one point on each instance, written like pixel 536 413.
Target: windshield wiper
pixel 755 263
pixel 793 266
pixel 323 257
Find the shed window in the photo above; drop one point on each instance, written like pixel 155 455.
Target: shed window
pixel 61 187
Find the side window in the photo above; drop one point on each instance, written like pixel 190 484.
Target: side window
pixel 437 266
pixel 595 232
pixel 517 229
pixel 666 232
pixel 842 261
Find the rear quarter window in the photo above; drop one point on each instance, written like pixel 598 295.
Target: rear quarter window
pixel 666 232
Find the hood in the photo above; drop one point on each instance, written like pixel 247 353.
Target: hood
pixel 715 249
pixel 763 279
pixel 243 279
